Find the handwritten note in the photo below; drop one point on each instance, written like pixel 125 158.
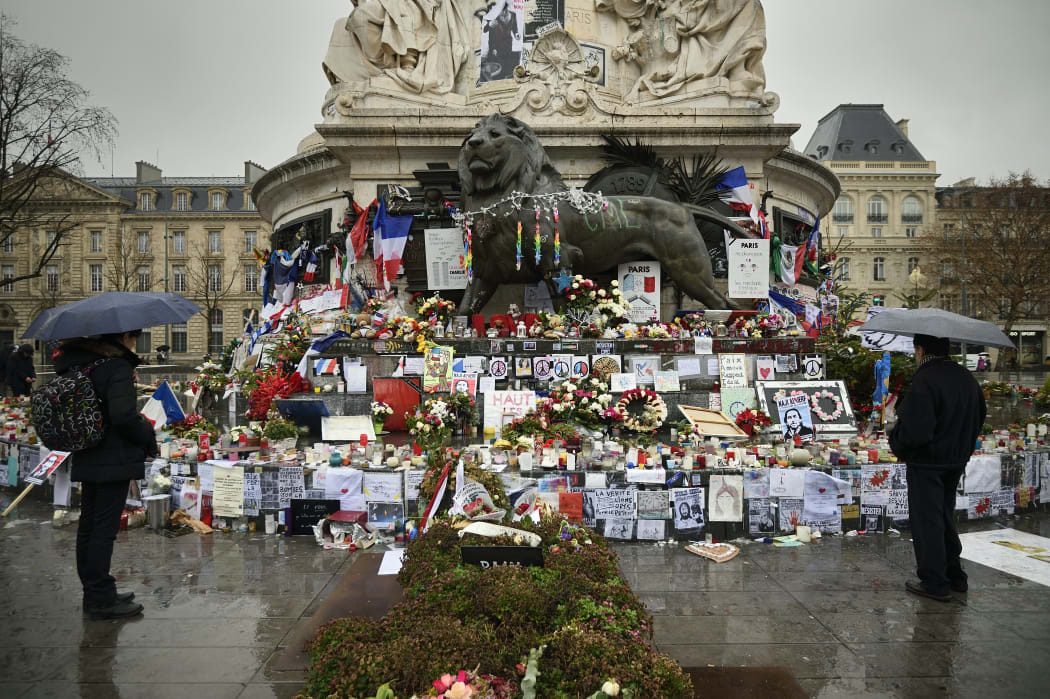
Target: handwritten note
pixel 228 497
pixel 612 504
pixel 252 493
pixel 732 370
pixel 290 485
pixel 382 487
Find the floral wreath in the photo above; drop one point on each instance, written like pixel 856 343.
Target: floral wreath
pixel 654 410
pixel 814 402
pixel 783 394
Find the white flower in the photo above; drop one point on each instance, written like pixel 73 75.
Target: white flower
pixel 575 285
pixel 614 283
pixel 426 428
pixel 611 688
pixel 592 294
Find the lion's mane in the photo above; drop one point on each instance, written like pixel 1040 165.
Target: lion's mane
pixel 529 170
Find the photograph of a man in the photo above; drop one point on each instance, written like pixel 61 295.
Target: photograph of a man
pixel 795 426
pixel 501 33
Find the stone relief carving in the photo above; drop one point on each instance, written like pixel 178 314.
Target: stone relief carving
pixel 419 45
pixel 557 77
pixel 678 42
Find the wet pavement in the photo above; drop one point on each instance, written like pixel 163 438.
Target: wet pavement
pixel 220 610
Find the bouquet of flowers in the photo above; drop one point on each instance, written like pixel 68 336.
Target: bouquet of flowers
pixel 193 427
pixel 464 407
pixel 436 309
pixel 579 401
pixel 381 411
pixel 431 427
pixel 471 685
pixel 694 322
pixel 749 419
pixel 211 378
pixel 612 306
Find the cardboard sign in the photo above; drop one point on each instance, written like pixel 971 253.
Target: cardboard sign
pixel 748 268
pixel 732 370
pixel 500 403
pixel 571 505
pixel 46 467
pixel 640 285
pixel 492 556
pixel 307 513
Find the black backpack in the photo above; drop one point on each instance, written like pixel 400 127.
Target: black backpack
pixel 67 412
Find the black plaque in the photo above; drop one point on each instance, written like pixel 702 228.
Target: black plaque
pixel 307 513
pixel 492 556
pixel 545 12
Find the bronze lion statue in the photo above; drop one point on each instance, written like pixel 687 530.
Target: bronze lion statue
pixel 502 155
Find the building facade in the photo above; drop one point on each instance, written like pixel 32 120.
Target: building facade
pixel 880 224
pixel 190 235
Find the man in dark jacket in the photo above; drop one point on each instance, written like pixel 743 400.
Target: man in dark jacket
pixel 5 354
pixel 106 469
pixel 938 421
pixel 20 371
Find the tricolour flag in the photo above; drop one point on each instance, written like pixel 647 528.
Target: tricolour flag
pixel 792 257
pixel 163 407
pixel 325 367
pixel 736 192
pixel 316 348
pixel 311 269
pixel 390 233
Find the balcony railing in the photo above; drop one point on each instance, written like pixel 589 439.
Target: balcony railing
pixel 842 218
pixel 878 218
pixel 911 218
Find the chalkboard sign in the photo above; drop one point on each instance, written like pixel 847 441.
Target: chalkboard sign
pixel 492 556
pixel 307 513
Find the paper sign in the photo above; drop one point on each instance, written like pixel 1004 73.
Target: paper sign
pixel 640 285
pixel 748 268
pixel 703 345
pixel 650 529
pixel 228 497
pixel 290 485
pixel 795 418
pixel 687 504
pixel 486 384
pixel 522 367
pixel 618 383
pixel 787 482
pixel 252 493
pixel 813 366
pixel 46 467
pixel 667 382
pixel 444 250
pixel 732 370
pixel 652 504
pixel 381 487
pixel 437 369
pixel 465 383
pixel 581 367
pixel 561 369
pixel 622 529
pixel 645 368
pixel 500 403
pixel 613 504
pixel 760 517
pixel 688 367
pixel 737 400
pixel 786 363
pixel 571 505
pixel 498 368
pixel 824 495
pixel 356 379
pixel 344 485
pixel 983 473
pixel 765 368
pixel 413 366
pixel 726 495
pixel 756 483
pixel 542 368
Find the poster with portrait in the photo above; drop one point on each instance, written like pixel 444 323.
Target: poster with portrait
pixel 465 383
pixel 687 505
pixel 795 417
pixel 502 33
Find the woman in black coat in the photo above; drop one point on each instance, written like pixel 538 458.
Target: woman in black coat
pixel 106 469
pixel 20 371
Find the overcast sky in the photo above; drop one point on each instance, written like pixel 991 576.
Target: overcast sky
pixel 199 86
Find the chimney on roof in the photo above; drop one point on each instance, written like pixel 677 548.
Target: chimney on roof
pixel 252 172
pixel 902 124
pixel 147 173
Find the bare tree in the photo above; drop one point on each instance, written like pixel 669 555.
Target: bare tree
pixel 122 270
pixel 1006 229
pixel 46 127
pixel 206 280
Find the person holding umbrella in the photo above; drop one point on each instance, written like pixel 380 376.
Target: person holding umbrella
pixel 101 333
pixel 20 372
pixel 938 421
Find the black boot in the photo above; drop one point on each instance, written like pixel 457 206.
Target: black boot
pixel 117 610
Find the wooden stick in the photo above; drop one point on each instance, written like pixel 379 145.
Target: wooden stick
pixel 18 499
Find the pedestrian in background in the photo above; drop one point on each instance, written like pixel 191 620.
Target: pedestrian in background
pixel 5 354
pixel 938 421
pixel 106 469
pixel 20 371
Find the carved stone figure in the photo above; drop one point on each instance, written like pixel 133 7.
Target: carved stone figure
pixel 676 42
pixel 419 44
pixel 501 156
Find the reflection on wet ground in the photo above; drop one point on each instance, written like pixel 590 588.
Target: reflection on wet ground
pixel 220 610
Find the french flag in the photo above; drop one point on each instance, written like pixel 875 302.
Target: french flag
pixel 311 269
pixel 792 257
pixel 388 242
pixel 316 348
pixel 163 407
pixel 325 366
pixel 736 192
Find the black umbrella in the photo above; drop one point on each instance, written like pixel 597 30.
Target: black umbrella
pixel 938 323
pixel 111 312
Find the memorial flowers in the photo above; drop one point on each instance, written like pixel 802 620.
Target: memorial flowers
pixel 643 410
pixel 814 401
pixel 748 419
pixel 431 427
pixel 581 401
pixel 380 412
pixel 436 309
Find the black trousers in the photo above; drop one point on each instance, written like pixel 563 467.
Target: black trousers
pixel 931 508
pixel 100 508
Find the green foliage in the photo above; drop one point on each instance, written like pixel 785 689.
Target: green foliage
pixel 594 627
